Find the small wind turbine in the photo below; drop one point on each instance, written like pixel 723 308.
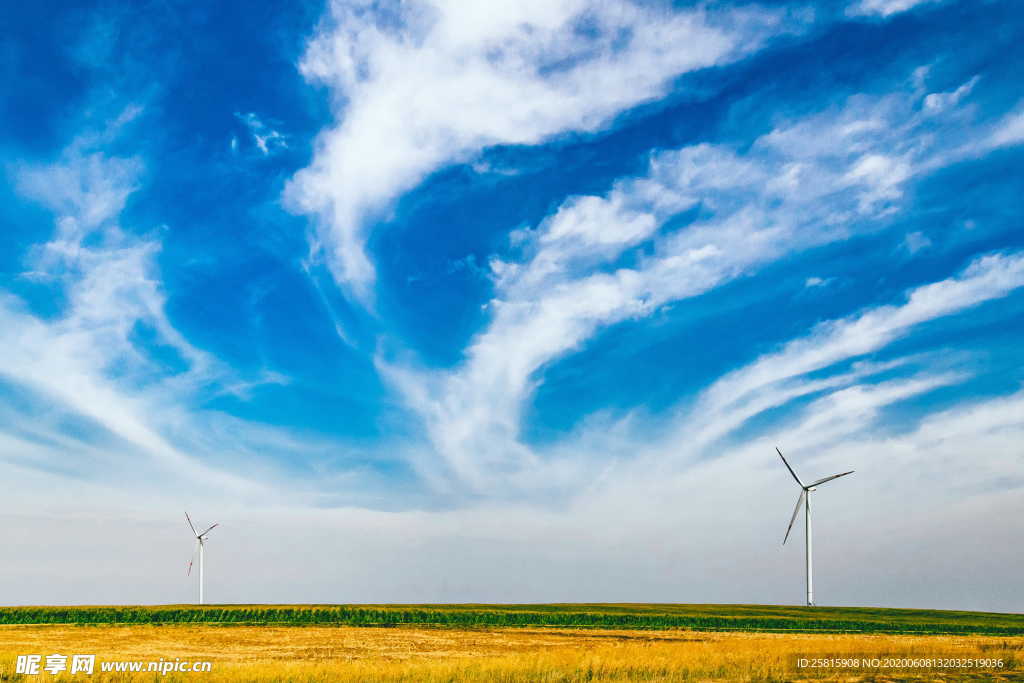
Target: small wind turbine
pixel 805 500
pixel 200 540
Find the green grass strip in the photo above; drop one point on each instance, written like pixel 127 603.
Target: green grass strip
pixel 651 617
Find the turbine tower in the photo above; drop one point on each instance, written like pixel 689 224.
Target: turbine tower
pixel 200 541
pixel 805 500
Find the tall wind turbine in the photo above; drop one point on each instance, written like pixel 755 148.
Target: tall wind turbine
pixel 200 540
pixel 805 500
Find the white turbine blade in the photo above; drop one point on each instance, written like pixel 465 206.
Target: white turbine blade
pixel 789 468
pixel 191 560
pixel 193 526
pixel 834 476
pixel 208 530
pixel 796 511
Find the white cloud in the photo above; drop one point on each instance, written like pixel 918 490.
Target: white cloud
pixel 439 81
pixel 268 140
pixel 802 368
pixel 883 8
pixel 1009 130
pixel 88 363
pixel 916 241
pixel 989 277
pixel 108 279
pixel 88 189
pixel 806 183
pixel 940 101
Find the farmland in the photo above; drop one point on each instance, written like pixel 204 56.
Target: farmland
pixel 759 618
pixel 571 642
pixel 344 653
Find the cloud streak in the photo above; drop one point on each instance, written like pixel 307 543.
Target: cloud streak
pixel 111 359
pixel 809 182
pixel 436 82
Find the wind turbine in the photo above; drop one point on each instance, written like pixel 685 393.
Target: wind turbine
pixel 805 500
pixel 200 540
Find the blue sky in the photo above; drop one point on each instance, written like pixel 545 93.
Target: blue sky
pixel 491 276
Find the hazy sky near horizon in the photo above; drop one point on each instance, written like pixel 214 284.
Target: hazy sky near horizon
pixel 512 301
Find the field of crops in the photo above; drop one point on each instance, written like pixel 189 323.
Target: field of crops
pixel 323 654
pixel 763 618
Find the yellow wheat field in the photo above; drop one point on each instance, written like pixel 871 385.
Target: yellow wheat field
pixel 320 653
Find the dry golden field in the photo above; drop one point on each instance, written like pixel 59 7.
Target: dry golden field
pixel 342 653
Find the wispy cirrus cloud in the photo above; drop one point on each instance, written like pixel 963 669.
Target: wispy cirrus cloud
pixel 84 357
pixel 432 83
pixel 883 8
pixel 1009 131
pixel 779 377
pixel 808 182
pixel 111 360
pixel 265 136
